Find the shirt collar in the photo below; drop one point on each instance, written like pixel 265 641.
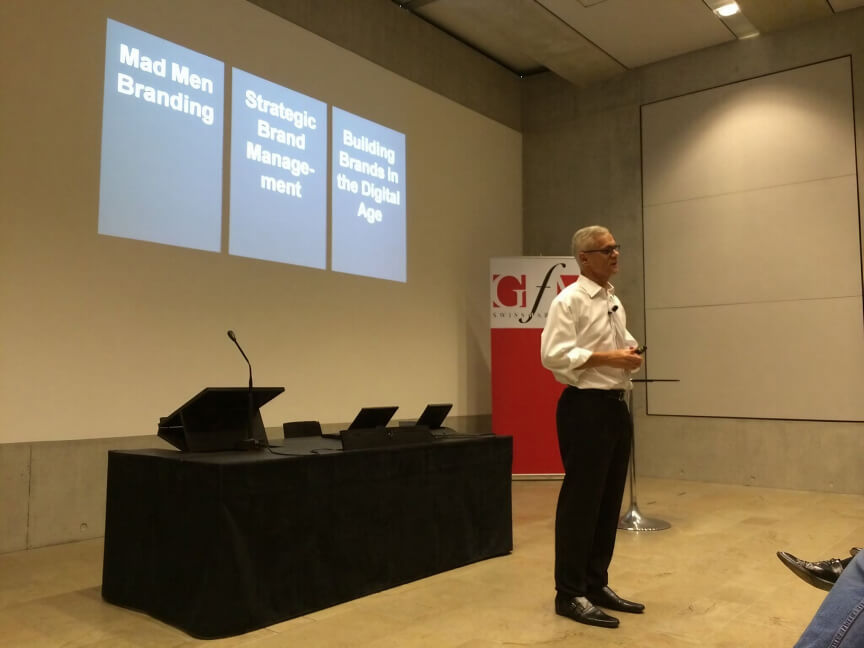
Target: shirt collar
pixel 591 288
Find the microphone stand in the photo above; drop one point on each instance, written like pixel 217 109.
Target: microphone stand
pixel 633 520
pixel 250 442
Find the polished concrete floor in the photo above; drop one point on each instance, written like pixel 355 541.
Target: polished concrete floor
pixel 710 580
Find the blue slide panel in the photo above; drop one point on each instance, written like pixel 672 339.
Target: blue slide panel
pixel 278 173
pixel 368 198
pixel 162 123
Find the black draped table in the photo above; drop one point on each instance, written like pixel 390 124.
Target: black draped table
pixel 218 544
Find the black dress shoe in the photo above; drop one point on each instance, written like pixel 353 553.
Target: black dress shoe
pixel 580 609
pixel 822 574
pixel 608 599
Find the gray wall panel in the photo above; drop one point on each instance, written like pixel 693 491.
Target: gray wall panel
pixel 14 495
pixel 569 134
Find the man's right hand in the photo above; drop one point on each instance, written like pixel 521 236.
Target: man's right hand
pixel 621 359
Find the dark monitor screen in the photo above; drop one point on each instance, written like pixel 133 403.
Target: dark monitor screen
pixel 434 414
pixel 372 417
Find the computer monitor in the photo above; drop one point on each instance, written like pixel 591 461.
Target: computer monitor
pixel 434 414
pixel 372 417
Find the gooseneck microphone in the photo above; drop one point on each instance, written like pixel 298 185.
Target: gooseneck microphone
pixel 250 441
pixel 234 340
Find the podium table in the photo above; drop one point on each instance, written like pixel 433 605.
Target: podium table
pixel 219 544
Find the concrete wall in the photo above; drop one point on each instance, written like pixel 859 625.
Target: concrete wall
pixel 54 491
pixel 582 165
pixel 384 33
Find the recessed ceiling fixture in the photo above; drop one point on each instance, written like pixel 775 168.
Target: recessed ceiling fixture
pixel 731 15
pixel 728 9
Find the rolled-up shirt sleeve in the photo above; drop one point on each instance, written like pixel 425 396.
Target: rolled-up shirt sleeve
pixel 559 345
pixel 584 319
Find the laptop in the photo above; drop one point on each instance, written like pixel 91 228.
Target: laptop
pixel 367 418
pixel 433 416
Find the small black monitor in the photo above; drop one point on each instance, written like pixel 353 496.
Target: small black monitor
pixel 434 414
pixel 372 417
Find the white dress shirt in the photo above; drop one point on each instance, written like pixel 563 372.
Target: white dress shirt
pixel 584 318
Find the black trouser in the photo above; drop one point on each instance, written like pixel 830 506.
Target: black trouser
pixel 594 437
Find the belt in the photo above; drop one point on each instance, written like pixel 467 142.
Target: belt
pixel 613 394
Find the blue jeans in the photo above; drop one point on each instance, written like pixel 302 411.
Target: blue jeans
pixel 839 621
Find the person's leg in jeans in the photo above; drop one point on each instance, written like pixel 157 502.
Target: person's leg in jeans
pixel 839 621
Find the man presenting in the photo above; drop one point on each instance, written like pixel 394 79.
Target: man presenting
pixel 586 345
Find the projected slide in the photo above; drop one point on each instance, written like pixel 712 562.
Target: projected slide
pixel 162 164
pixel 278 209
pixel 368 198
pixel 162 122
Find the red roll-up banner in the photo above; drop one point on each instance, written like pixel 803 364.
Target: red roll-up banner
pixel 524 394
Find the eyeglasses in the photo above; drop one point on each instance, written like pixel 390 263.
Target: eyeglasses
pixel 607 250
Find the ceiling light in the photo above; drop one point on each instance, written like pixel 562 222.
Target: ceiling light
pixel 728 9
pixel 730 14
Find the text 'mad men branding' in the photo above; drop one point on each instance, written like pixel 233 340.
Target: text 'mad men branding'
pixel 161 168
